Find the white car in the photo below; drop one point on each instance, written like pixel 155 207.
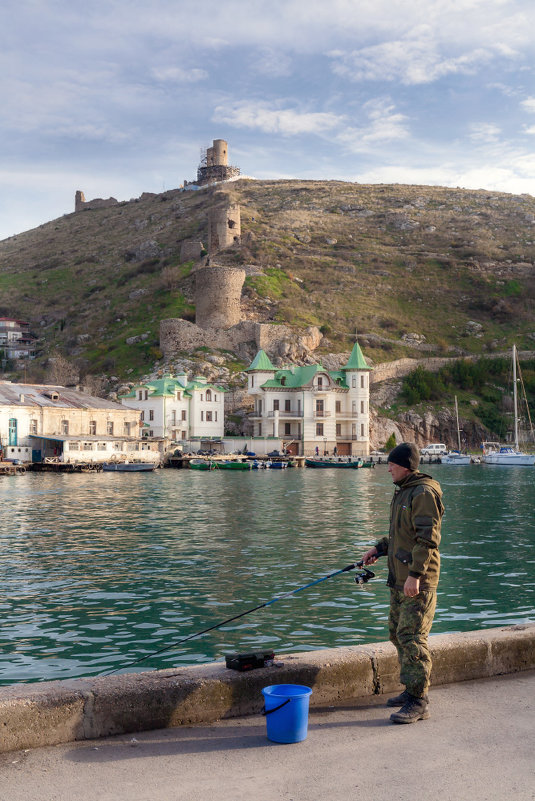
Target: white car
pixel 434 449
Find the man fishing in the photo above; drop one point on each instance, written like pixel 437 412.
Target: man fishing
pixel 413 570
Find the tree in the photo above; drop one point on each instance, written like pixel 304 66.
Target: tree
pixel 391 442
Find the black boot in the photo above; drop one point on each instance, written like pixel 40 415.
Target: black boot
pixel 414 709
pixel 402 698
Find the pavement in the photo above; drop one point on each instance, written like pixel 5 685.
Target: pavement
pixel 478 745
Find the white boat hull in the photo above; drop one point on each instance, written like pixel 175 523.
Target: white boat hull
pixel 514 458
pixel 455 458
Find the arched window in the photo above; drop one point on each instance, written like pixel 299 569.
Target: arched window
pixel 208 395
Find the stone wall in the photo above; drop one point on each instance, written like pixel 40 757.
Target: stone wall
pixel 81 204
pixel 217 296
pixel 190 249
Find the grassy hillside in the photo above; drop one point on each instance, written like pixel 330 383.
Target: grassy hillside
pixel 384 260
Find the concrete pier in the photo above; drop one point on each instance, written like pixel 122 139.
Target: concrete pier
pixel 45 714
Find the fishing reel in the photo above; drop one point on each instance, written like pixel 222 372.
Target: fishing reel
pixel 364 576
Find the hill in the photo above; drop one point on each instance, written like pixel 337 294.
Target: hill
pixel 455 267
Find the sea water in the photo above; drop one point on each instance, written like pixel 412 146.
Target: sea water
pixel 100 571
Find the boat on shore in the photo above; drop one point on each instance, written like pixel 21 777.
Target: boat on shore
pixel 128 467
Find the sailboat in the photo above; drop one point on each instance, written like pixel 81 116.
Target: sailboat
pixel 456 457
pixel 507 455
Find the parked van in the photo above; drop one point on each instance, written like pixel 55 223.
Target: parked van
pixel 434 449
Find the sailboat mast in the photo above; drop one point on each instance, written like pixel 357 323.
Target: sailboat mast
pixel 458 429
pixel 515 401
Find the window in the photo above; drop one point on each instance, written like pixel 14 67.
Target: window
pixel 215 396
pixel 259 407
pixel 178 395
pixel 283 381
pixel 287 429
pixel 202 396
pixel 319 429
pixel 354 382
pixel 101 446
pixel 92 427
pixel 362 429
pixel 151 414
pixel 183 435
pixel 252 381
pixel 259 429
pixel 146 394
pixel 275 405
pixel 183 414
pixel 127 429
pixel 208 395
pixel 202 416
pixel 339 429
pixel 142 416
pixel 362 407
pixel 33 426
pixel 216 417
pixel 109 428
pixel 140 394
pixel 338 407
pixel 173 417
pixel 287 405
pixel 362 382
pixel 73 446
pixel 320 381
pixel 319 408
pixel 150 434
pixel 208 417
pixel 65 427
pixel 88 446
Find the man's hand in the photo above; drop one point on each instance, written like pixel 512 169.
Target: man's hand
pixel 411 586
pixel 370 557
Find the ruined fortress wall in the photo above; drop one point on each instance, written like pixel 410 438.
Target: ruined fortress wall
pixel 190 249
pixel 217 296
pixel 224 227
pixel 181 336
pixel 81 204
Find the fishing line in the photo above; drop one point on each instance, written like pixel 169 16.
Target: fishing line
pixel 361 578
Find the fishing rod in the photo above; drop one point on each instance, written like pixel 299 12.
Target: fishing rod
pixel 360 578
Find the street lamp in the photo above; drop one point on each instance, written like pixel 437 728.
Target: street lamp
pixel 325 446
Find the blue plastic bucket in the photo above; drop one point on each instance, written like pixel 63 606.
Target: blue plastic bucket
pixel 286 711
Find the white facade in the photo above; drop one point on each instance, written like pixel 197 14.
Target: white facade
pixel 313 410
pixel 179 410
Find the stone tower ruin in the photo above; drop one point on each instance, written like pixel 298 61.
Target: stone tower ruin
pixel 224 227
pixel 217 296
pixel 214 165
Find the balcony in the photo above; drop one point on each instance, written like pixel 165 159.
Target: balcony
pixel 347 437
pixel 322 413
pixel 283 413
pixel 348 415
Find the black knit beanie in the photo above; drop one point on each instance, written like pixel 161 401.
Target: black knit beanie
pixel 405 455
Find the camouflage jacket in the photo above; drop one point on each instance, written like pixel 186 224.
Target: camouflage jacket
pixel 412 545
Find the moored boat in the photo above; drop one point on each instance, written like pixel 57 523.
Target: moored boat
pixel 339 463
pixel 128 467
pixel 224 464
pixel 201 464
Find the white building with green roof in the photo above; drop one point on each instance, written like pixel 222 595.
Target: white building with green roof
pixel 178 409
pixel 311 409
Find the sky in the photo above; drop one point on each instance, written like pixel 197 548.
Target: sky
pixel 117 97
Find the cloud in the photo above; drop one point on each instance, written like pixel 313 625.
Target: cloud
pixel 178 75
pixel 484 132
pixel 415 60
pixel 273 63
pixel 269 119
pixel 529 104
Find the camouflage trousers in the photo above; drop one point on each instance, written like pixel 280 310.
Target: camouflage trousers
pixel 409 624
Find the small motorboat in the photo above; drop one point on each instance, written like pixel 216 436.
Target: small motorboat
pixel 129 467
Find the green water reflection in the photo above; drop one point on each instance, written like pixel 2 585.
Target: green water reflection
pixel 100 570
